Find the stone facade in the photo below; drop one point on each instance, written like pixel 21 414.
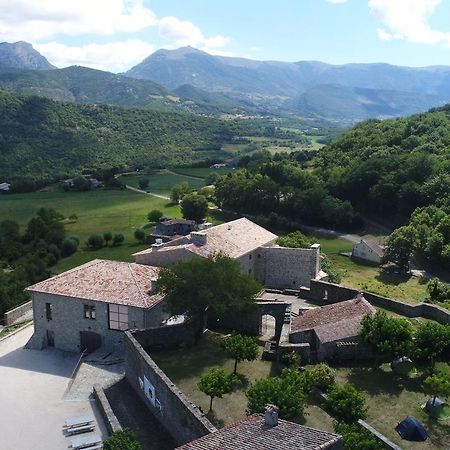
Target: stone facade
pixel 176 413
pixel 368 251
pixel 68 321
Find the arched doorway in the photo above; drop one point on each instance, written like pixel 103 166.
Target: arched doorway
pixel 267 329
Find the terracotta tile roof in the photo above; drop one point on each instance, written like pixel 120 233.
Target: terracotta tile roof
pixel 177 222
pixel 106 281
pixel 252 434
pixel 234 239
pixel 333 322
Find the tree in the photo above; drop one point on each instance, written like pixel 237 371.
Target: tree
pixel 322 376
pixel 240 348
pixel 143 183
pixel 400 246
pixel 296 239
pixel 139 234
pixel 215 383
pixel 207 285
pixel 95 241
pixel 107 236
pixel 81 184
pixel 287 392
pixel 211 178
pixel 122 440
pixel 346 404
pixel 69 246
pixel 179 191
pixel 355 437
pixel 154 215
pixel 436 385
pixel 390 336
pixel 118 238
pixel 194 206
pixel 432 341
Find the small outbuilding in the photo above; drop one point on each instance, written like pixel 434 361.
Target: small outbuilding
pixel 411 429
pixel 369 251
pixel 437 408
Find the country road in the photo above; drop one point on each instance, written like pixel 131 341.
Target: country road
pixel 131 188
pixel 353 238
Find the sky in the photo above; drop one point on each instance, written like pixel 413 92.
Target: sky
pixel 115 35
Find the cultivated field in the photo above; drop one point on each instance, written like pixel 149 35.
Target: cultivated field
pixel 118 211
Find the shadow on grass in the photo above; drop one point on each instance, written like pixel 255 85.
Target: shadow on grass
pixel 242 382
pixel 377 381
pixel 393 279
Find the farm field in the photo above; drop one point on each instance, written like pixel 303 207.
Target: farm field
pixel 391 398
pixel 118 211
pixel 201 172
pixel 162 181
pixel 185 367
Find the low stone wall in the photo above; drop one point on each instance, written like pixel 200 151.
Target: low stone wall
pixel 379 437
pixel 176 413
pixel 111 421
pixel 169 336
pixel 11 316
pixel 332 293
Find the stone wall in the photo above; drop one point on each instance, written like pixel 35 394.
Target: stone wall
pixel 176 413
pixel 111 421
pixel 292 268
pixel 333 293
pixel 68 321
pixel 11 316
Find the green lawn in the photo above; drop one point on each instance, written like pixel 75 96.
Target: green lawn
pixel 201 172
pixel 391 398
pixel 371 278
pixel 185 367
pixel 118 211
pixel 162 182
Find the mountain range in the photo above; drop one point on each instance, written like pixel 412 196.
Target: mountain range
pixel 195 81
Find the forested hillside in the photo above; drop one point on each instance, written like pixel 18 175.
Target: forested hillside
pixel 44 139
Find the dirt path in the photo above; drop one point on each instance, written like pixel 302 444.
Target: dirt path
pixel 140 191
pixel 354 238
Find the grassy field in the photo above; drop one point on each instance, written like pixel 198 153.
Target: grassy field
pixel 391 398
pixel 201 172
pixel 118 211
pixel 185 367
pixel 371 278
pixel 162 182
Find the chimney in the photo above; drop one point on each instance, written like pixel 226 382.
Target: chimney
pixel 198 238
pixel 271 416
pixel 359 296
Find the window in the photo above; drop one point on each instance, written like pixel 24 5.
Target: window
pixel 250 256
pixel 89 312
pixel 49 311
pixel 118 317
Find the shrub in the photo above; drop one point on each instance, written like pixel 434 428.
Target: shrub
pixel 95 241
pixel 357 438
pixel 69 246
pixel 322 376
pixel 122 440
pixel 346 404
pixel 107 236
pixel 154 215
pixel 291 359
pixel 118 239
pixel 139 234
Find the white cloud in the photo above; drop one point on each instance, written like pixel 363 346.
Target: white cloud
pixel 183 32
pixel 43 19
pixel 114 56
pixel 408 20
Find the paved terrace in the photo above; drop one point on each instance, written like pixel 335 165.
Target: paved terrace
pixel 32 385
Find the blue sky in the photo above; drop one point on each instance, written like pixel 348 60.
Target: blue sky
pixel 116 34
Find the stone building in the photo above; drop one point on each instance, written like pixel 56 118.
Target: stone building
pixel 325 329
pixel 369 251
pixel 171 227
pixel 91 305
pixel 252 246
